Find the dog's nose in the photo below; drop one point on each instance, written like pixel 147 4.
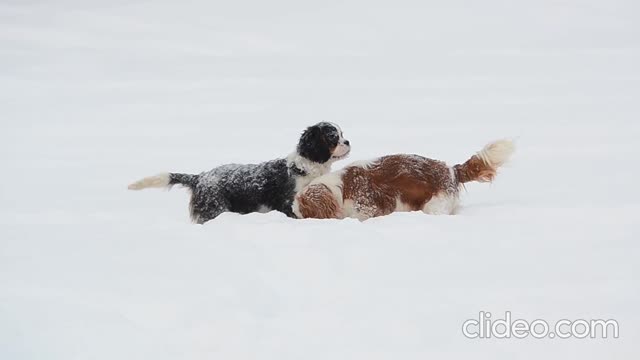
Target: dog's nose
pixel 346 142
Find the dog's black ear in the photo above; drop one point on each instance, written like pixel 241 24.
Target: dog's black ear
pixel 314 146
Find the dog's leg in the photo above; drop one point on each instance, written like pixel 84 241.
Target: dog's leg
pixel 441 204
pixel 207 205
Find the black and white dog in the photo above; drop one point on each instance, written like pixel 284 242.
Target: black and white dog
pixel 258 187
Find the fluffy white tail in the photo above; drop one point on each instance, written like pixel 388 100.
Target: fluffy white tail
pixel 158 181
pixel 483 166
pixel 497 153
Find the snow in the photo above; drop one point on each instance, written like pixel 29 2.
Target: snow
pixel 97 94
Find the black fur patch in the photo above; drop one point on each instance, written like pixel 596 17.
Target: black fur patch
pixel 317 142
pixel 255 187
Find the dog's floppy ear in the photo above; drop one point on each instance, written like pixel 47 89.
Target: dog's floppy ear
pixel 314 146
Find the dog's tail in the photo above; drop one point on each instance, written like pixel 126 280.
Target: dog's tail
pixel 165 180
pixel 482 166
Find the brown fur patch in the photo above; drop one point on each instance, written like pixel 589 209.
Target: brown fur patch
pixel 316 201
pixel 474 169
pixel 412 179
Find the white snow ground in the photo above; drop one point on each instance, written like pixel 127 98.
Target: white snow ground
pixel 94 95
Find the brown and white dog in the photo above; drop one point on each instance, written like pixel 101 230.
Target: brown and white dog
pixel 397 183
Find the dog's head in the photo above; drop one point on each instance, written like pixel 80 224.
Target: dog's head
pixel 323 142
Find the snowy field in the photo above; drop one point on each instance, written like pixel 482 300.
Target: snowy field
pixel 96 94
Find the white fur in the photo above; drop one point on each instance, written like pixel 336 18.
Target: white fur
pixel 333 181
pixel 441 204
pixel 400 206
pixel 313 169
pixel 349 210
pixel 365 164
pixel 296 208
pixel 263 209
pixel 157 181
pixel 497 153
pixel 452 176
pixel 342 150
